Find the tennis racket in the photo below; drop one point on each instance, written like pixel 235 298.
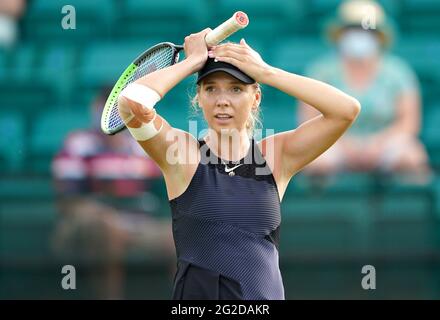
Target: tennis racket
pixel 160 56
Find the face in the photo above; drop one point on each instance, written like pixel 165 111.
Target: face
pixel 358 44
pixel 226 102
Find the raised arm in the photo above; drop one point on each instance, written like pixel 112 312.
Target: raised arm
pixel 296 148
pixel 159 83
pixel 305 143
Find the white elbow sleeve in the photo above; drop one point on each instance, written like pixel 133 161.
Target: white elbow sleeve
pixel 146 131
pixel 148 98
pixel 141 94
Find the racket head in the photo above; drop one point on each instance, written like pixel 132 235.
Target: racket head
pixel 160 56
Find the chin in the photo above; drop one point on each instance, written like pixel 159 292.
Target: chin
pixel 226 130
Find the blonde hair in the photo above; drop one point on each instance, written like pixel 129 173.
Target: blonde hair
pixel 254 120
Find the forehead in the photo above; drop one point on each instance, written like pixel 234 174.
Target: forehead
pixel 221 77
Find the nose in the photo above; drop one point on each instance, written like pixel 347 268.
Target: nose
pixel 222 101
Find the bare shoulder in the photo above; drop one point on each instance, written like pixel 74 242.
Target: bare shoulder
pixel 183 157
pixel 271 149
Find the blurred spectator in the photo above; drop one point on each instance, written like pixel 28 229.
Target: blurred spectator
pixel 10 12
pixel 102 183
pixel 385 135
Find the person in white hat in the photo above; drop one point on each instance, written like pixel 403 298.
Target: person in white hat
pixel 385 135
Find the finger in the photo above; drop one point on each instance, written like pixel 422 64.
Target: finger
pixel 235 62
pixel 230 54
pixel 205 31
pixel 229 50
pixel 244 43
pixel 229 45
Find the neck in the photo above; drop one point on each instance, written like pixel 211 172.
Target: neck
pixel 229 147
pixel 359 74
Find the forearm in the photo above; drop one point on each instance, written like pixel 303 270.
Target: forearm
pixel 331 102
pixel 397 128
pixel 164 80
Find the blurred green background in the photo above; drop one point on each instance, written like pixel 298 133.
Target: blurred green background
pixel 48 80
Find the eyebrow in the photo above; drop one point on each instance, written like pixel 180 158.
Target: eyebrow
pixel 230 82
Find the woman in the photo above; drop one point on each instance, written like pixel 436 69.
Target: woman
pixel 225 206
pixel 385 136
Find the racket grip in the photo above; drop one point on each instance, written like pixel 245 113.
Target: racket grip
pixel 239 20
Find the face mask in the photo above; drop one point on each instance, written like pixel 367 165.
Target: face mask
pixel 8 31
pixel 358 44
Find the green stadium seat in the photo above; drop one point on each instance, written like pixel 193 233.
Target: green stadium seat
pixel 436 187
pixel 175 107
pixel 321 238
pixel 278 117
pixel 422 53
pixel 346 183
pixel 49 131
pixel 23 188
pixel 3 65
pixel 101 64
pixel 405 238
pixel 315 224
pixel 19 89
pixel 404 207
pixel 319 11
pixel 54 58
pixel 12 140
pixel 421 17
pixel 26 229
pixel 294 54
pixel 321 8
pixel 43 19
pixel 431 134
pixel 33 213
pixel 327 207
pixel 168 20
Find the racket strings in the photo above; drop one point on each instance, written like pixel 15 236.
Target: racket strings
pixel 157 59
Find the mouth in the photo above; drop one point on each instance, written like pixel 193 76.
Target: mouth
pixel 223 116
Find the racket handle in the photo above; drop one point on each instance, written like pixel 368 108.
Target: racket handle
pixel 239 20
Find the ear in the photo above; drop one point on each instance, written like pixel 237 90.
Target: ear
pixel 257 99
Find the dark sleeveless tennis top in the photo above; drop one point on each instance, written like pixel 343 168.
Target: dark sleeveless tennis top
pixel 226 231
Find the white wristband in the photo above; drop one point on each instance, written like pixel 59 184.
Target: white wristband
pixel 141 94
pixel 146 131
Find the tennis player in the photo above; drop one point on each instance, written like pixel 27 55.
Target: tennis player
pixel 226 212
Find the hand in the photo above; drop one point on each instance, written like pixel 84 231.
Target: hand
pixel 196 49
pixel 370 155
pixel 243 57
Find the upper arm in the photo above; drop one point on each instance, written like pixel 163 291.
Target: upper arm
pixel 170 148
pixel 408 111
pixel 306 112
pixel 302 145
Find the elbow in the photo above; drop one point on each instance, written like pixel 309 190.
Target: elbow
pixel 352 109
pixel 124 109
pixel 122 104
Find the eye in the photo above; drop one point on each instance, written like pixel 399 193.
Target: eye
pixel 209 88
pixel 236 89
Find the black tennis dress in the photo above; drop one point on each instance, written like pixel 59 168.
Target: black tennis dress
pixel 226 231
